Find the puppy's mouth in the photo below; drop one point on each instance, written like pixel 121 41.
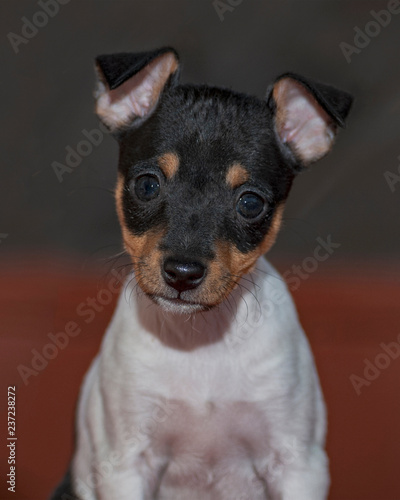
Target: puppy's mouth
pixel 179 305
pixel 178 284
pixel 183 284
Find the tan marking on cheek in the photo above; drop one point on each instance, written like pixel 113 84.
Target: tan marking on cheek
pixel 169 164
pixel 146 259
pixel 216 287
pixel 118 199
pixel 131 242
pixel 237 262
pixel 143 249
pixel 148 270
pixel 230 264
pixel 273 231
pixel 243 263
pixel 220 277
pixel 236 176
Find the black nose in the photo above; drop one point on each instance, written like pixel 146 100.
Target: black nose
pixel 183 275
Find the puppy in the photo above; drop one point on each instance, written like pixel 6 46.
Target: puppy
pixel 205 386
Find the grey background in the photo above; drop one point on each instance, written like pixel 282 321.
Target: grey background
pixel 46 94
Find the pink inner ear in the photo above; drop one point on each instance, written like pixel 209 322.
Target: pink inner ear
pixel 138 96
pixel 301 122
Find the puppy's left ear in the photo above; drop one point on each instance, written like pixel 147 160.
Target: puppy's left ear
pixel 129 85
pixel 306 115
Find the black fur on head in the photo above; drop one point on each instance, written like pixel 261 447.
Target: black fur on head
pixel 204 172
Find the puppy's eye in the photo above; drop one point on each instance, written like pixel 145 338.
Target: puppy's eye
pixel 250 205
pixel 147 187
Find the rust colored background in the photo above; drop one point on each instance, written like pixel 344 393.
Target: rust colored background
pixel 346 315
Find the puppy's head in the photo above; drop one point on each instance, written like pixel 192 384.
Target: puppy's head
pixel 204 172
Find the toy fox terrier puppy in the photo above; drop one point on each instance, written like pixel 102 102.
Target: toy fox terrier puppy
pixel 200 391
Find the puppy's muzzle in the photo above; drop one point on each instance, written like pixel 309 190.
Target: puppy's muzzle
pixel 183 275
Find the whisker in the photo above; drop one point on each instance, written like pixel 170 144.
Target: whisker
pixel 277 276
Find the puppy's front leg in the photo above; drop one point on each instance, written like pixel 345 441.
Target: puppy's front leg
pixel 124 486
pixel 113 457
pixel 307 478
pixel 300 474
pixel 131 474
pixel 107 473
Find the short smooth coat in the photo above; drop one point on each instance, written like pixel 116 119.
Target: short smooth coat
pixel 235 414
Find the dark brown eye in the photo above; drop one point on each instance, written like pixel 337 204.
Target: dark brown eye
pixel 250 205
pixel 147 187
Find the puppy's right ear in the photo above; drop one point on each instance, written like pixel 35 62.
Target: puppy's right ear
pixel 129 85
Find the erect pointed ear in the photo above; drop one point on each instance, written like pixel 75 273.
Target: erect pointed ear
pixel 306 115
pixel 129 85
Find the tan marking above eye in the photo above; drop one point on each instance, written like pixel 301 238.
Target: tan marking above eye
pixel 236 175
pixel 169 164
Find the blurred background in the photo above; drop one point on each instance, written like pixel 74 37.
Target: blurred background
pixel 59 231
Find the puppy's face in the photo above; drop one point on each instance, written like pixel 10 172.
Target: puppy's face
pixel 203 176
pixel 200 195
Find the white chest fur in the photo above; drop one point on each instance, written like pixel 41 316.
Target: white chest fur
pixel 221 405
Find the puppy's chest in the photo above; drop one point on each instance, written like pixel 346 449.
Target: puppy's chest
pixel 211 430
pixel 206 408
